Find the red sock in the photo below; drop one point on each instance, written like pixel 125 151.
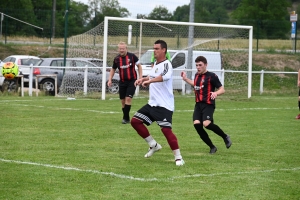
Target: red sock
pixel 140 127
pixel 171 138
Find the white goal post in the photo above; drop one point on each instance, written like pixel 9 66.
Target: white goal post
pixel 233 41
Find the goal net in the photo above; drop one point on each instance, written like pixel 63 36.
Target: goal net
pixel 228 49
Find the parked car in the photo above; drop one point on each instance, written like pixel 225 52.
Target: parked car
pixel 98 62
pixel 179 60
pixel 21 61
pixel 72 78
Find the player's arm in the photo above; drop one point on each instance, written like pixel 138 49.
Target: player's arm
pixel 220 91
pixel 140 81
pixel 140 70
pixel 111 74
pixel 186 79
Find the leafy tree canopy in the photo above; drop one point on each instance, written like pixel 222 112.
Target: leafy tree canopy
pixel 160 13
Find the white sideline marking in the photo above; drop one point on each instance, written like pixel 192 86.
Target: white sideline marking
pixel 145 179
pixel 116 112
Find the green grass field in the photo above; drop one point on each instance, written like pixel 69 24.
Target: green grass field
pixel 53 148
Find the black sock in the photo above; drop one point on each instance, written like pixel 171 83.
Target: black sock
pixel 216 129
pixel 203 135
pixel 126 111
pixel 123 113
pixel 299 105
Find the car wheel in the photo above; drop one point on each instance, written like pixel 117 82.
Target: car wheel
pixel 114 89
pixel 48 85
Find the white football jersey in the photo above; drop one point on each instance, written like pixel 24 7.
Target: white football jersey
pixel 161 93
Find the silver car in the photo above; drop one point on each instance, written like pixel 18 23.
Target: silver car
pixel 72 79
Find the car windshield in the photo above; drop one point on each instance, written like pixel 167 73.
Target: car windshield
pixel 29 61
pixel 146 58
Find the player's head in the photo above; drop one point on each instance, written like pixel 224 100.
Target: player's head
pixel 122 48
pixel 160 50
pixel 201 64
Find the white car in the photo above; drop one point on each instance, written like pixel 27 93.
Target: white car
pixel 20 60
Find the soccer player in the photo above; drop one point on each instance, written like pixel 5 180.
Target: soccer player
pixel 160 106
pixel 126 63
pixel 205 83
pixel 298 116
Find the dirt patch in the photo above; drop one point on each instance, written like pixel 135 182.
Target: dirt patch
pixel 277 61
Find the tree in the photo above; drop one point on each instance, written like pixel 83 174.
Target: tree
pixel 210 11
pixel 12 8
pixel 160 13
pixel 182 13
pixel 102 8
pixel 267 16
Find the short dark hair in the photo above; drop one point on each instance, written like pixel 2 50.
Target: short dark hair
pixel 201 59
pixel 163 44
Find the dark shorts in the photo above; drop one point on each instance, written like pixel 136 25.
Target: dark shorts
pixel 203 111
pixel 299 92
pixel 161 115
pixel 127 89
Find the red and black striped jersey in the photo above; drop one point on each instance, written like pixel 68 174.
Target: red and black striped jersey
pixel 204 84
pixel 126 66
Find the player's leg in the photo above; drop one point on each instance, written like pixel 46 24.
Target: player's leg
pixel 208 122
pixel 138 121
pixel 198 125
pixel 130 90
pixel 122 95
pixel 163 117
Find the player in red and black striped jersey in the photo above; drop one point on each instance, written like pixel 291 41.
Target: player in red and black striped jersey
pixel 125 62
pixel 207 87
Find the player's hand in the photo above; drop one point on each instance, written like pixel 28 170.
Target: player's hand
pixel 108 83
pixel 183 74
pixel 213 95
pixel 138 82
pixel 146 83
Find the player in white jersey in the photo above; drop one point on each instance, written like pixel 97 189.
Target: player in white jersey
pixel 160 106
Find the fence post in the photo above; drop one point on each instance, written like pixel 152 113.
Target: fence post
pixel 182 87
pixel 222 76
pixel 30 80
pixel 85 80
pixel 261 84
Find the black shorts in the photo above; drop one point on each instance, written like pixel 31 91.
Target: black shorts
pixel 127 89
pixel 161 115
pixel 204 111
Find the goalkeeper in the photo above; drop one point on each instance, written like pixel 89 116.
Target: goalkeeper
pixel 205 83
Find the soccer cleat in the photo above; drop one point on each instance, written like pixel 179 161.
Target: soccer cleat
pixel 179 162
pixel 124 121
pixel 228 142
pixel 298 116
pixel 213 150
pixel 152 150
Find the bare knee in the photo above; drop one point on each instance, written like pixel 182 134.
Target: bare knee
pixel 197 122
pixel 206 123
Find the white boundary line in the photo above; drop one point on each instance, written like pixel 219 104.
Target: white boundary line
pixel 117 112
pixel 145 179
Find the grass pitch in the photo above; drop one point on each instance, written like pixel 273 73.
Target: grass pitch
pixel 53 148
